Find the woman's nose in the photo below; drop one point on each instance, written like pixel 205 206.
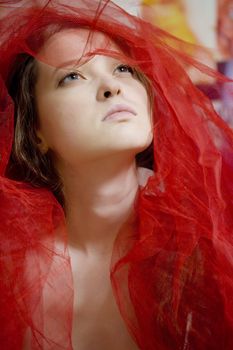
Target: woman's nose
pixel 107 90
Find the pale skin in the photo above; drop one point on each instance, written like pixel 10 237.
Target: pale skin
pixel 95 157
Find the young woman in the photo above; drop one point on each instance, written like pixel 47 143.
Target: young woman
pixel 116 195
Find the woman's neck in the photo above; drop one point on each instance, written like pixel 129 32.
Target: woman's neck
pixel 99 198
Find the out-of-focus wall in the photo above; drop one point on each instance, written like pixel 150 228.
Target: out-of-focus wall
pixel 131 6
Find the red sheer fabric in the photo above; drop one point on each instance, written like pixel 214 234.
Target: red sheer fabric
pixel 173 278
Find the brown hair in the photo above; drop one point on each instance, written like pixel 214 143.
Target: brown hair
pixel 27 163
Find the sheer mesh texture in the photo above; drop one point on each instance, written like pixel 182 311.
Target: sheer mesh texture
pixel 172 279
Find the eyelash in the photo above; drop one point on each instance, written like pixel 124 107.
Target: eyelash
pixel 127 68
pixel 72 74
pixel 123 68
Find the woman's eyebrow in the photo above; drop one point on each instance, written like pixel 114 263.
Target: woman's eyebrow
pixel 65 64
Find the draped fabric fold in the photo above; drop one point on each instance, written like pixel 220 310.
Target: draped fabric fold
pixel 172 272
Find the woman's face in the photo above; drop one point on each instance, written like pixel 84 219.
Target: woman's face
pixel 89 110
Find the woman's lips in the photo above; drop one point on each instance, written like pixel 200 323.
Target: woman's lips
pixel 119 111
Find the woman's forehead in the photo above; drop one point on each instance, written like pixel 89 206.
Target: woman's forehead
pixel 73 44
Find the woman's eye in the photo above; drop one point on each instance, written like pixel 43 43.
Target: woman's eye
pixel 69 77
pixel 123 68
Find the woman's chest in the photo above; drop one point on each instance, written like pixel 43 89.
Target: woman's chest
pixel 97 323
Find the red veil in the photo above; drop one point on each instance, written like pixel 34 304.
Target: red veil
pixel 173 279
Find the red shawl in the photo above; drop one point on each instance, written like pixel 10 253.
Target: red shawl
pixel 173 281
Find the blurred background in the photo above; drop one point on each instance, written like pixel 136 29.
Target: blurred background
pixel 206 24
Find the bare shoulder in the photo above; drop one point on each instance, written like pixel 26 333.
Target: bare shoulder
pixel 143 175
